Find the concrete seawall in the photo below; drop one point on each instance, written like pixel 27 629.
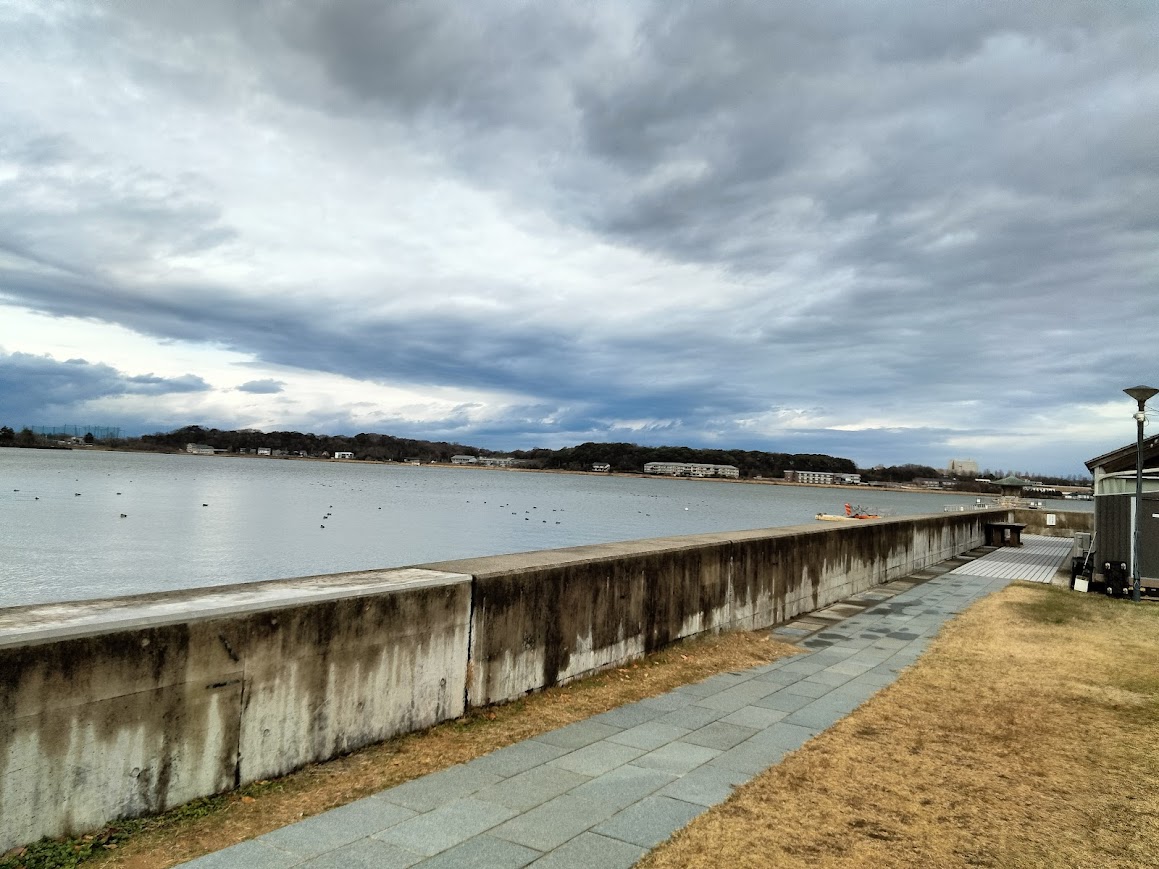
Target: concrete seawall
pixel 131 706
pixel 1065 523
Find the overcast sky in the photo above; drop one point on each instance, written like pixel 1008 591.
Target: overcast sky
pixel 892 231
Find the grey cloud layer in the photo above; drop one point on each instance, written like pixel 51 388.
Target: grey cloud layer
pixel 32 387
pixel 919 199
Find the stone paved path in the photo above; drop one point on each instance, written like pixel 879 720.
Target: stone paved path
pixel 600 793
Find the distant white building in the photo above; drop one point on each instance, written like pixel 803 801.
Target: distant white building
pixel 828 478
pixel 199 449
pixel 265 451
pixel 691 469
pixel 963 468
pixel 464 460
pixel 601 467
pixel 339 454
pixel 497 461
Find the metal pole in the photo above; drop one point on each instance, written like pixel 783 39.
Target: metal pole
pixel 1135 589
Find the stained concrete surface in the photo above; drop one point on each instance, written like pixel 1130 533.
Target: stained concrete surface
pixel 601 792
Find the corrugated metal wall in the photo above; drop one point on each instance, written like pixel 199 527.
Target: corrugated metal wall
pixel 1113 526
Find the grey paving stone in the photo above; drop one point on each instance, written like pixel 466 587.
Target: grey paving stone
pixel 590 849
pixel 803 666
pixel 819 715
pixel 628 716
pixel 791 736
pixel 719 735
pixel 691 717
pixel 337 827
pixel 518 758
pixel 750 757
pixel 805 688
pixel 550 825
pixel 783 701
pixel 878 678
pixel 579 734
pixel 650 821
pixel 439 788
pixel 363 854
pixel 778 677
pixel 859 689
pixel 706 785
pixel 754 716
pixel 829 677
pixel 887 643
pixel 769 667
pixel 252 855
pixel 623 786
pixel 732 699
pixel 725 680
pixel 849 668
pixel 651 734
pixel 529 789
pixel 483 852
pixel 850 647
pixel 668 702
pixel 446 826
pixel 828 657
pixel 597 758
pixel 677 757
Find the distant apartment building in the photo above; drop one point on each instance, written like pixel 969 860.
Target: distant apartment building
pixel 822 477
pixel 599 467
pixel 199 449
pixel 498 461
pixel 339 454
pixel 963 468
pixel 464 460
pixel 264 451
pixel 690 469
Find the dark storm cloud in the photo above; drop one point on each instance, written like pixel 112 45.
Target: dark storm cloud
pixel 910 206
pixel 262 387
pixel 36 390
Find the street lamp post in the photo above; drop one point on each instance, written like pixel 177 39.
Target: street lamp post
pixel 1141 394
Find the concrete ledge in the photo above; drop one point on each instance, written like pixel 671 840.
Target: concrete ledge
pixel 543 618
pixel 116 709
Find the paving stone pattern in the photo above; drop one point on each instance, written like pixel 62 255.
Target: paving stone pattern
pixel 600 793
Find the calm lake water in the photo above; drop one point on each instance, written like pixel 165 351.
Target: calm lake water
pixel 195 521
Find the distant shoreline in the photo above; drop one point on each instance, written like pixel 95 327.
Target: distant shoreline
pixel 446 465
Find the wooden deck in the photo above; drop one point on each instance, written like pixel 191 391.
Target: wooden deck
pixel 1037 560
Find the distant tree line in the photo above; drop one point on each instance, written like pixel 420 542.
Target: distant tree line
pixel 621 457
pixel 376 447
pixel 629 458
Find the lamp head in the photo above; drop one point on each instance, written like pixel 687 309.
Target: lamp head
pixel 1141 394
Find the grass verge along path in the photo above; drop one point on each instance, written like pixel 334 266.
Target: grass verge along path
pixel 1025 737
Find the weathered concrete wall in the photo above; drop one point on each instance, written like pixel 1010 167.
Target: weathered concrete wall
pixel 541 618
pixel 1066 524
pixel 121 708
pixel 131 706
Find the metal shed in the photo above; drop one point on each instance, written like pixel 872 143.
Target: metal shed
pixel 1114 489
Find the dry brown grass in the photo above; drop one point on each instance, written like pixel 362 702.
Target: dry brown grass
pixel 267 806
pixel 1026 737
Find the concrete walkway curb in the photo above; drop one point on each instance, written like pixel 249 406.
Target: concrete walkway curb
pixel 600 793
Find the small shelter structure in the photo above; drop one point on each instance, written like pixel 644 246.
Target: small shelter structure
pixel 1011 486
pixel 1114 476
